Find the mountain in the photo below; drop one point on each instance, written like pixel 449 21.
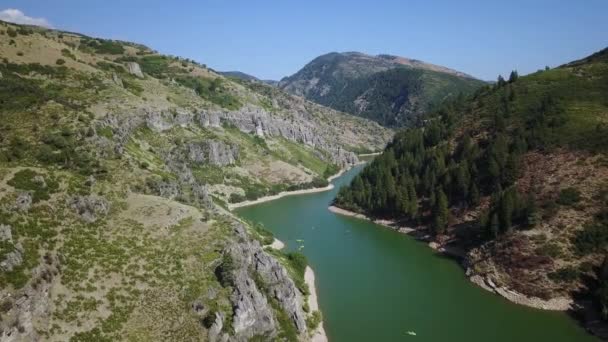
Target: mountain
pixel 117 165
pixel 390 90
pixel 515 178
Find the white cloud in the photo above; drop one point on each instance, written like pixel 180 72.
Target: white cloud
pixel 16 16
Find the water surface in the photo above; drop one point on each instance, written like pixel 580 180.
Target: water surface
pixel 375 284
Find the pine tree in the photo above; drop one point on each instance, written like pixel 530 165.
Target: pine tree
pixel 501 81
pixel 507 207
pixel 441 213
pixel 513 77
pixel 474 198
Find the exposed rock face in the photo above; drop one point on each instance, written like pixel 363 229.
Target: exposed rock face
pixel 24 201
pixel 168 189
pixel 90 207
pixel 14 257
pixel 213 152
pixel 215 332
pixel 281 287
pixel 160 121
pixel 6 233
pixel 253 315
pixel 134 69
pixel 117 80
pixel 29 305
pixel 221 154
pixel 299 128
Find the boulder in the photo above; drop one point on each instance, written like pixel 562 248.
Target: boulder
pixel 23 201
pixel 117 80
pixel 89 208
pixel 134 69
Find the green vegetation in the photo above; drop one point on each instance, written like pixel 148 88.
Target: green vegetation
pixel 364 87
pixel 101 46
pixel 210 89
pixel 536 112
pixel 29 180
pixel 569 196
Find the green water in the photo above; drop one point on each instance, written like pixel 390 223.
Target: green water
pixel 375 284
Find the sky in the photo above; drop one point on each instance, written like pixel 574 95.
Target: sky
pixel 271 39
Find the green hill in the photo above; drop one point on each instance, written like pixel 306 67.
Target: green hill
pixel 390 90
pixel 516 176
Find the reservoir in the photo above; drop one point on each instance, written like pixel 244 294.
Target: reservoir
pixel 375 284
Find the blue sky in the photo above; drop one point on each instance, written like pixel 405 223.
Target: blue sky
pixel 274 38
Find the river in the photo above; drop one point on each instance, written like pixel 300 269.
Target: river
pixel 375 284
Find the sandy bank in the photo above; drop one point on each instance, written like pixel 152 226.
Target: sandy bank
pixel 309 276
pixel 555 304
pixel 279 195
pixel 387 223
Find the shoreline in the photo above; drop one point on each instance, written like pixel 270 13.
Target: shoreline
pixel 318 335
pixel 282 194
pixel 387 223
pixel 553 304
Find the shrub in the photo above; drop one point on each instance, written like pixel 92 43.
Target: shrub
pixel 314 320
pixel 299 262
pixel 593 238
pixel 569 196
pixel 11 33
pixel 565 274
pixel 224 272
pixel 19 53
pixel 235 198
pixel 267 237
pixel 28 180
pixel 60 61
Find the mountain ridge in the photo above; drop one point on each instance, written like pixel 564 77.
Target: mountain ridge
pixel 390 90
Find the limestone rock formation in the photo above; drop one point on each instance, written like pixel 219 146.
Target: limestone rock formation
pixel 90 208
pixel 253 315
pixel 134 69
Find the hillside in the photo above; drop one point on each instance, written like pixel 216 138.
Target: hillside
pixel 390 90
pixel 116 165
pixel 239 74
pixel 515 179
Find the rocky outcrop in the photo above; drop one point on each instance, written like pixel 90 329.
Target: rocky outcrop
pixel 257 278
pixel 117 80
pixel 29 309
pixel 90 208
pixel 134 69
pixel 212 152
pixel 13 256
pixel 221 154
pixel 23 201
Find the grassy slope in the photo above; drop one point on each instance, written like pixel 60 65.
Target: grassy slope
pixel 134 272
